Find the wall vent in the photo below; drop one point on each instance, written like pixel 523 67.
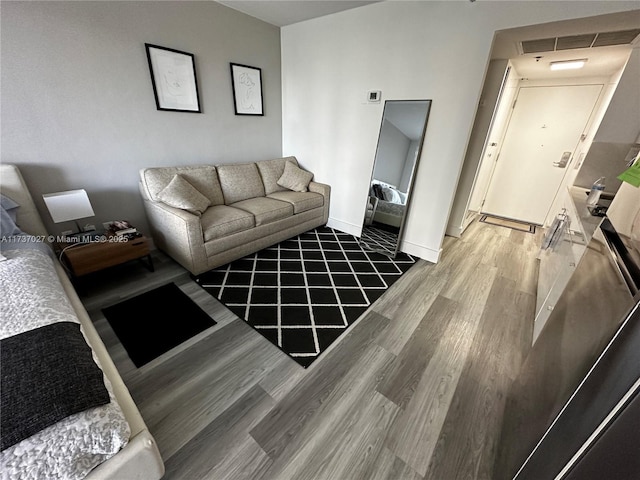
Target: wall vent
pixel 602 39
pixel 575 41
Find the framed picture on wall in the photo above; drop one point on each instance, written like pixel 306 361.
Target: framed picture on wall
pixel 173 76
pixel 247 89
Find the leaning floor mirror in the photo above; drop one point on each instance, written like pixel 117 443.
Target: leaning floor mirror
pixel 404 123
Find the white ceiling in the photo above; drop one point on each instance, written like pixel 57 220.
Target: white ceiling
pixel 282 13
pixel 602 61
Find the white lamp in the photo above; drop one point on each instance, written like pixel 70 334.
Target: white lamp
pixel 69 205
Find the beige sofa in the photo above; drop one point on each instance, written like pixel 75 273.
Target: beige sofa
pixel 235 210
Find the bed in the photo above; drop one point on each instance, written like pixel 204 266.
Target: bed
pixel 107 441
pixel 391 203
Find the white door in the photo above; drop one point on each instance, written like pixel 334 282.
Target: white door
pixel 546 125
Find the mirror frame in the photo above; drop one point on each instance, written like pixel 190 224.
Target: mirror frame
pixel 412 178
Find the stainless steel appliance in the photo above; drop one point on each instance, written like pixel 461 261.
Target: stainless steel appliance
pixel 565 412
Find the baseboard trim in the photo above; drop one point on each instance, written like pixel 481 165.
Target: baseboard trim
pixel 350 228
pixel 454 231
pixel 420 251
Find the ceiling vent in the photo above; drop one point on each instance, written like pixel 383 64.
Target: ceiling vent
pixel 575 41
pixel 603 39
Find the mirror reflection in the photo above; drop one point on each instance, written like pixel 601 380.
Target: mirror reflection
pixel 399 145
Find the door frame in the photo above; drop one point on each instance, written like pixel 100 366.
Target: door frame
pixel 469 214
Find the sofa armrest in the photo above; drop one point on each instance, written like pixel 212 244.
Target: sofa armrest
pixel 321 188
pixel 178 233
pixel 325 191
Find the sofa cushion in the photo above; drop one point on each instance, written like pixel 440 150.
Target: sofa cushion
pixel 181 194
pixel 294 178
pixel 271 171
pixel 203 178
pixel 265 210
pixel 240 182
pixel 220 220
pixel 301 201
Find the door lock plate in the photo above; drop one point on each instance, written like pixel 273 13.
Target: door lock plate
pixel 566 156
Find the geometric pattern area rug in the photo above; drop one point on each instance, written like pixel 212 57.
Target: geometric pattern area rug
pixel 303 293
pixel 154 322
pixel 379 239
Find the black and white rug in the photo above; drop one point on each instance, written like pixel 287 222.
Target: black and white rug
pixel 303 293
pixel 378 239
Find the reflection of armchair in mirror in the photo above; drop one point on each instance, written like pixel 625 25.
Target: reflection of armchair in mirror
pixel 396 161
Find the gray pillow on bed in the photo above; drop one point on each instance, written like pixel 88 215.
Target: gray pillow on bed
pixel 8 225
pixel 10 206
pixel 8 215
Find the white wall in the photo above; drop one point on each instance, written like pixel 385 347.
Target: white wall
pixel 78 109
pixel 412 155
pixel 620 127
pixel 472 161
pixel 391 154
pixel 621 123
pixel 587 147
pixel 619 130
pixel 496 137
pixel 428 50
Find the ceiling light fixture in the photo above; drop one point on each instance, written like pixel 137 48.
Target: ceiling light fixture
pixel 568 64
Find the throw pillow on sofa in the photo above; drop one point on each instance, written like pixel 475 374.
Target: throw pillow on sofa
pixel 181 194
pixel 294 178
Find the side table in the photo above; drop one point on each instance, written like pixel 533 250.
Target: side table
pixel 84 258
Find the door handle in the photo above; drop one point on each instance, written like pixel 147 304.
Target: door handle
pixel 563 160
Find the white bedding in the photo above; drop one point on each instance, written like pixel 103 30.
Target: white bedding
pixel 396 209
pixel 390 193
pixel 32 296
pixel 391 203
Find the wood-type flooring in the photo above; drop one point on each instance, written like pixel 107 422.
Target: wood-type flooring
pixel 414 390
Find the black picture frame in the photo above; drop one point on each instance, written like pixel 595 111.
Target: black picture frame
pixel 174 80
pixel 247 89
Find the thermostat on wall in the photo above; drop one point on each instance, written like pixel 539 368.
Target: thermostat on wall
pixel 374 96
